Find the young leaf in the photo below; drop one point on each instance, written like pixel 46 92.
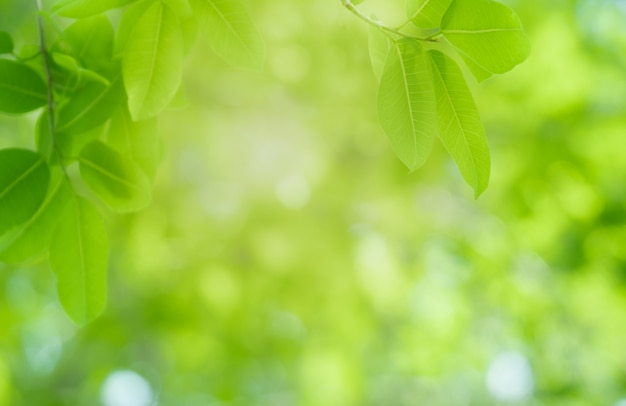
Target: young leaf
pixel 116 180
pixel 426 14
pixel 78 256
pixel 460 127
pixel 488 36
pixel 90 107
pixel 152 62
pixel 406 102
pixel 6 43
pixel 379 45
pixel 21 88
pixel 231 32
pixel 135 140
pixel 86 8
pixel 24 178
pixel 31 238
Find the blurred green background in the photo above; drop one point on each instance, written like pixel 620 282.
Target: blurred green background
pixel 290 259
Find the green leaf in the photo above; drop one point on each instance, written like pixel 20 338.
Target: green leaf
pixel 90 41
pixel 426 14
pixel 86 8
pixel 152 62
pixel 21 88
pixel 460 127
pixel 116 180
pixel 488 36
pixel 181 8
pixel 135 140
pixel 71 66
pixel 90 107
pixel 127 24
pixel 406 102
pixel 79 252
pixel 6 43
pixel 24 178
pixel 379 45
pixel 32 238
pixel 231 32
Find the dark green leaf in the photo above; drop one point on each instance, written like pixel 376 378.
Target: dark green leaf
pixel 116 180
pixel 31 238
pixel 6 43
pixel 78 256
pixel 24 178
pixel 90 107
pixel 406 102
pixel 21 88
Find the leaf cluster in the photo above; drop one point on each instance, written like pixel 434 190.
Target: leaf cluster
pixel 98 90
pixel 423 91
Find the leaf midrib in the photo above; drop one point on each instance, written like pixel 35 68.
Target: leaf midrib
pixel 20 178
pixel 408 98
pixel 108 174
pixel 230 26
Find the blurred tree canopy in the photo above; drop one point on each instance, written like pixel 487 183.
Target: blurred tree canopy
pixel 289 258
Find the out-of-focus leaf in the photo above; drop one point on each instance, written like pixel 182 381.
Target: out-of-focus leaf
pixel 90 107
pixel 460 127
pixel 79 252
pixel 488 36
pixel 129 20
pixel 426 14
pixel 31 238
pixel 24 178
pixel 231 32
pixel 89 41
pixel 136 140
pixel 379 45
pixel 6 43
pixel 115 179
pixel 406 102
pixel 152 62
pixel 21 88
pixel 86 8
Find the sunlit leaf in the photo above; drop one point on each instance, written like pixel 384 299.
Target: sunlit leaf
pixel 231 32
pixel 127 24
pixel 426 14
pixel 136 140
pixel 152 62
pixel 488 36
pixel 31 238
pixel 460 127
pixel 115 179
pixel 90 107
pixel 406 102
pixel 21 88
pixel 24 178
pixel 182 8
pixel 86 8
pixel 379 45
pixel 79 256
pixel 6 43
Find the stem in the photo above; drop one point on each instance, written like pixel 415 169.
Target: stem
pixel 49 84
pixel 384 28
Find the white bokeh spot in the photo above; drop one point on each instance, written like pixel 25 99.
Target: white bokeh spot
pixel 126 388
pixel 509 377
